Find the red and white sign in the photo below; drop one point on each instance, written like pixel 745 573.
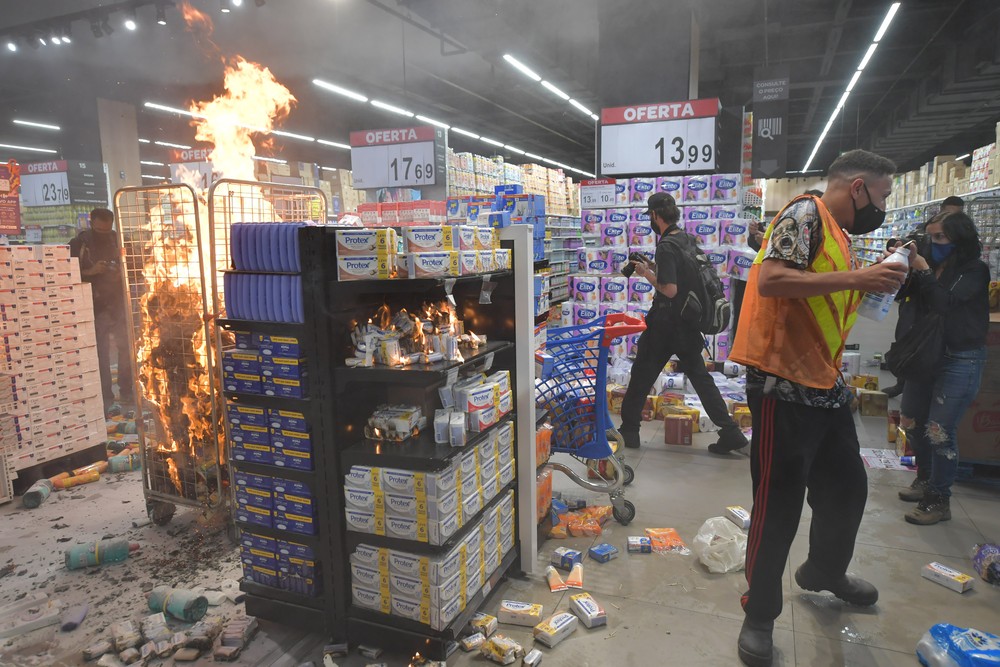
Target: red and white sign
pixel 191 155
pixel 597 193
pixel 45 167
pixel 649 113
pixel 400 135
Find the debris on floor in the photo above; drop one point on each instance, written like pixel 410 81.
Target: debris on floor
pixel 986 561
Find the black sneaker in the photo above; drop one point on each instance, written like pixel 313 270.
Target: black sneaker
pixel 915 492
pixel 932 509
pixel 756 645
pixel 850 589
pixel 631 438
pixel 729 442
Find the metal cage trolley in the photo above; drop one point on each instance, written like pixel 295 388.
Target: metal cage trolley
pixel 574 392
pixel 168 275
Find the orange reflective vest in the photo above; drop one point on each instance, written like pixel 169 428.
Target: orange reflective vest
pixel 801 340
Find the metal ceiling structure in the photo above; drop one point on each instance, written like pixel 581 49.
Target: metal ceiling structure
pixel 931 88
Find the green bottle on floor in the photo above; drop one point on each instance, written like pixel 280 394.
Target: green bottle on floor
pixel 98 553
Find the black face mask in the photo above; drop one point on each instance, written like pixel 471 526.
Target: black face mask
pixel 869 217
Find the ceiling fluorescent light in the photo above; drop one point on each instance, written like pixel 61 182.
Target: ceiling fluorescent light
pixel 433 122
pixel 161 14
pixel 465 132
pixel 514 150
pixel 491 141
pixel 328 168
pixel 581 107
pixel 854 80
pixel 11 46
pixel 868 56
pixel 394 109
pixel 886 21
pixel 143 141
pixel 269 159
pixel 962 157
pixel 340 91
pixel 164 107
pixel 151 176
pixel 31 123
pixel 172 145
pixel 532 156
pixel 595 116
pixel 151 163
pixel 335 144
pixel 555 90
pixel 33 149
pixel 843 100
pixel 292 135
pixel 521 67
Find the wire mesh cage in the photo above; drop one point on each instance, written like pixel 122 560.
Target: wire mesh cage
pixel 169 279
pixel 985 212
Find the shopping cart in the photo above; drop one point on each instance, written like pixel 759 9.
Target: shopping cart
pixel 574 392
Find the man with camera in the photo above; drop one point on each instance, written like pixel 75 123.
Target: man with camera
pixel 99 251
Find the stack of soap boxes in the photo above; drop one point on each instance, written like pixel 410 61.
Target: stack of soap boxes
pixel 433 590
pixel 430 507
pixel 285 505
pixel 273 437
pixel 267 365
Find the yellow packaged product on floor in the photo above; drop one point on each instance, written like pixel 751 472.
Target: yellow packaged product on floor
pixel 501 650
pixel 591 614
pixel 556 628
pixel 520 613
pixel 483 623
pixel 947 577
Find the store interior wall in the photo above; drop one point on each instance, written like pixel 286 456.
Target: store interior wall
pixel 119 142
pixel 778 191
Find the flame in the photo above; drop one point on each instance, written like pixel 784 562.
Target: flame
pixel 201 26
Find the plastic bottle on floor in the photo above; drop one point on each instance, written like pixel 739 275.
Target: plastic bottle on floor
pixel 37 494
pixel 98 553
pixel 875 306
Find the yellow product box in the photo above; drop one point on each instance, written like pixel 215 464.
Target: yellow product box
pixel 867 382
pixel 743 417
pixel 694 414
pixel 947 577
pixel 874 403
pixel 381 266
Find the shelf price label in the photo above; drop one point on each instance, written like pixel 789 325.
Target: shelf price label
pixel 670 137
pixel 597 193
pixel 45 184
pixel 394 157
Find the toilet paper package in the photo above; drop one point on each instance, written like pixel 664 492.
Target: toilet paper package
pixel 697 189
pixel 606 309
pixel 725 212
pixel 613 234
pixel 740 261
pixel 695 214
pixel 734 231
pixel 566 312
pixel 706 232
pixel 725 187
pixel 640 189
pixel 641 233
pixel 591 220
pixel 639 290
pixel 617 258
pixel 672 185
pixel 585 288
pixel 618 215
pixel 718 258
pixel 647 251
pixel 622 191
pixel 584 312
pixel 638 215
pixel 722 347
pixel 614 289
pixel 593 260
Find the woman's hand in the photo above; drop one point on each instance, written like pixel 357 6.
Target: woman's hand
pixel 918 263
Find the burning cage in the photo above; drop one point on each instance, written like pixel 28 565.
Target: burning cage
pixel 168 272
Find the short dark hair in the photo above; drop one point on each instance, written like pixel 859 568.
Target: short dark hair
pixel 953 201
pixel 668 211
pixel 102 214
pixel 814 193
pixel 853 164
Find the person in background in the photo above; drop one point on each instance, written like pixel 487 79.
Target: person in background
pixel 801 300
pixel 99 251
pixel 948 279
pixel 667 334
pixel 951 204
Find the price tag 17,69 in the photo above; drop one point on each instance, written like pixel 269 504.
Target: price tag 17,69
pixel 597 193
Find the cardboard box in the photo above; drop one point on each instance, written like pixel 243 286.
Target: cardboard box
pixel 979 431
pixel 874 403
pixel 947 577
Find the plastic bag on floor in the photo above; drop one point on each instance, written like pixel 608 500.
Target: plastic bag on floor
pixel 948 646
pixel 720 545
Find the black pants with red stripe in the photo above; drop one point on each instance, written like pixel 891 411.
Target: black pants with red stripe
pixel 796 448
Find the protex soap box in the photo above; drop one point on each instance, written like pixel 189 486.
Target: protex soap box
pixel 584 605
pixel 366 267
pixel 556 628
pixel 724 187
pixel 520 613
pixel 354 242
pixel 947 577
pixel 429 239
pixel 430 264
pixel 697 189
pixel 640 189
pixel 739 516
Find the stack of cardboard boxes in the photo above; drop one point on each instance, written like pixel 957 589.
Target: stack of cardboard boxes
pixel 50 386
pixel 979 431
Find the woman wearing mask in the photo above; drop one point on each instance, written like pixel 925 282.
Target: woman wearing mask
pixel 949 279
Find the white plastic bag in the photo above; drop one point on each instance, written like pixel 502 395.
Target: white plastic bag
pixel 720 545
pixel 949 646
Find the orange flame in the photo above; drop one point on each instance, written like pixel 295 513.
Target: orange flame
pixel 201 26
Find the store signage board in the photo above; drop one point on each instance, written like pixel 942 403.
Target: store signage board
pixel 666 137
pixel 396 157
pixel 193 167
pixel 45 183
pixel 597 193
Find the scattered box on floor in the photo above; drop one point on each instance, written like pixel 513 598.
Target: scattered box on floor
pixel 677 430
pixel 874 403
pixel 947 577
pixel 868 382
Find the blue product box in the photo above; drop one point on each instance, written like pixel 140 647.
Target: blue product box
pixel 246 340
pixel 472 215
pixel 538 226
pixel 259 557
pixel 292 421
pixel 257 435
pixel 290 368
pixel 246 415
pixel 454 207
pixel 297 584
pixel 254 516
pixel 282 439
pixel 284 502
pixel 284 388
pixel 292 458
pixel 240 361
pixel 290 487
pixel 498 219
pixel 252 453
pixel 249 479
pixel 288 550
pixel 261 575
pixel 565 558
pixel 511 189
pixel 538 204
pixel 295 523
pixel 279 346
pixel 602 553
pixel 254 541
pixel 248 495
pixel 242 382
pixel 298 566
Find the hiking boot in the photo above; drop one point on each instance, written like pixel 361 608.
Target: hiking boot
pixel 893 391
pixel 850 589
pixel 729 441
pixel 631 438
pixel 914 492
pixel 932 509
pixel 755 645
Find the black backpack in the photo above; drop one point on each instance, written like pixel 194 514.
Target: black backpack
pixel 701 299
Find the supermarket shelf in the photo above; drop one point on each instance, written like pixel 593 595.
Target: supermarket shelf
pixel 416 284
pixel 366 625
pixel 291 614
pixel 355 538
pixel 281 595
pixel 966 195
pixel 420 453
pixel 308 540
pixel 259 326
pixel 304 476
pixel 260 400
pixel 419 374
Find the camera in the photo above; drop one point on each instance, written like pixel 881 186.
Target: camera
pixel 112 264
pixel 629 268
